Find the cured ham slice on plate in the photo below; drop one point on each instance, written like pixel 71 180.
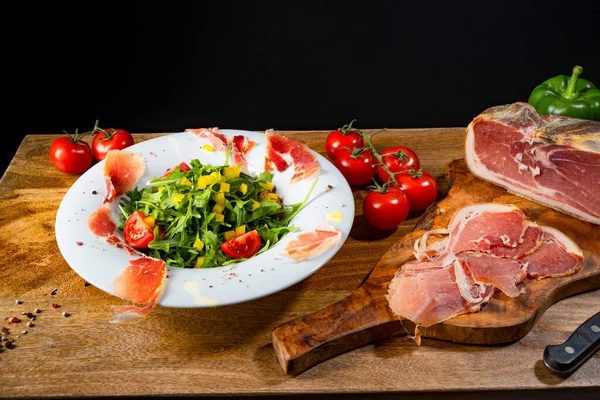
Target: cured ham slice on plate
pixel 100 223
pixel 240 146
pixel 141 283
pixel 122 170
pixel 488 247
pixel 283 152
pixel 312 243
pixel 217 139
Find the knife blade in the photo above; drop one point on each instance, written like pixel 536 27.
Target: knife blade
pixel 563 359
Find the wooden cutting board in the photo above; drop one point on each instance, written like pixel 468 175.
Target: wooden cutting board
pixel 364 316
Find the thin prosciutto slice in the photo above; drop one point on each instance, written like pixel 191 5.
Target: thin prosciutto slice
pixel 240 146
pixel 502 273
pixel 216 138
pixel 141 283
pixel 283 152
pixel 558 256
pixel 310 244
pixel 431 297
pixel 100 223
pixel 122 170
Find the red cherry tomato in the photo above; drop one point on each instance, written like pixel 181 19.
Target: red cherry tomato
pixel 385 210
pixel 342 137
pixel 117 139
pixel 242 246
pixel 70 155
pixel 397 159
pixel 139 230
pixel 420 191
pixel 183 167
pixel 357 166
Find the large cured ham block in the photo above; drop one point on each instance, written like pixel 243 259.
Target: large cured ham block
pixel 365 316
pixel 550 159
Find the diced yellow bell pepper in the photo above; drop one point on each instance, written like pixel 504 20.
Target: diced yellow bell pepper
pixel 255 205
pixel 266 186
pixel 240 230
pixel 228 235
pixel 177 198
pixel 208 147
pixel 206 180
pixel 272 196
pixel 219 217
pixel 219 197
pixel 219 208
pixel 198 244
pixel 150 220
pixel 231 172
pixel 199 262
pixel 225 187
pixel 185 181
pixel 243 188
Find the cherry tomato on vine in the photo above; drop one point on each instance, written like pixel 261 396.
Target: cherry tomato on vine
pixel 342 137
pixel 139 230
pixel 71 155
pixel 357 165
pixel 397 159
pixel 421 191
pixel 110 139
pixel 242 246
pixel 385 209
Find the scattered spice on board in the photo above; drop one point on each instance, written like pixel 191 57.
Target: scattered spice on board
pixel 79 243
pixel 55 305
pixel 53 292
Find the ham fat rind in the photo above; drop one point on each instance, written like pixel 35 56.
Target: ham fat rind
pixel 550 159
pixel 487 247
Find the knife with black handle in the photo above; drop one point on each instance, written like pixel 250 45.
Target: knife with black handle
pixel 563 359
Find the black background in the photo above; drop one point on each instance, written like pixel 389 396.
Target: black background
pixel 152 67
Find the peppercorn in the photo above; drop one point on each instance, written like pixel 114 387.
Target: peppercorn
pixel 9 345
pixel 29 315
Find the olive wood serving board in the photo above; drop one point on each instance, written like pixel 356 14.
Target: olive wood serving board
pixel 364 316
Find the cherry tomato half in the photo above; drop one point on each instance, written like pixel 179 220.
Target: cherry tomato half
pixel 71 156
pixel 357 167
pixel 242 246
pixel 183 167
pixel 117 139
pixel 139 230
pixel 397 159
pixel 420 191
pixel 385 210
pixel 337 140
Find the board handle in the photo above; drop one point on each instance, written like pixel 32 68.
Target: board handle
pixel 356 320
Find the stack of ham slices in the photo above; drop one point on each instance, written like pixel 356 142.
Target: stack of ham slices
pixel 486 248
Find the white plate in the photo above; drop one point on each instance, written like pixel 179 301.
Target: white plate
pixel 99 263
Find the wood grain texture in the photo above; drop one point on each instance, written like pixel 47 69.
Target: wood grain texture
pixel 364 316
pixel 227 351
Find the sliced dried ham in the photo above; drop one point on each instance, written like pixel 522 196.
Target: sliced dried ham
pixel 100 222
pixel 558 256
pixel 502 273
pixel 240 146
pixel 487 247
pixel 432 297
pixel 310 244
pixel 214 135
pixel 122 170
pixel 141 283
pixel 283 152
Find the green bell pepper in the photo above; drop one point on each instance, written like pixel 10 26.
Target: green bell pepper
pixel 571 97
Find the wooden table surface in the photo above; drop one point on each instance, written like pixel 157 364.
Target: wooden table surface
pixel 227 351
